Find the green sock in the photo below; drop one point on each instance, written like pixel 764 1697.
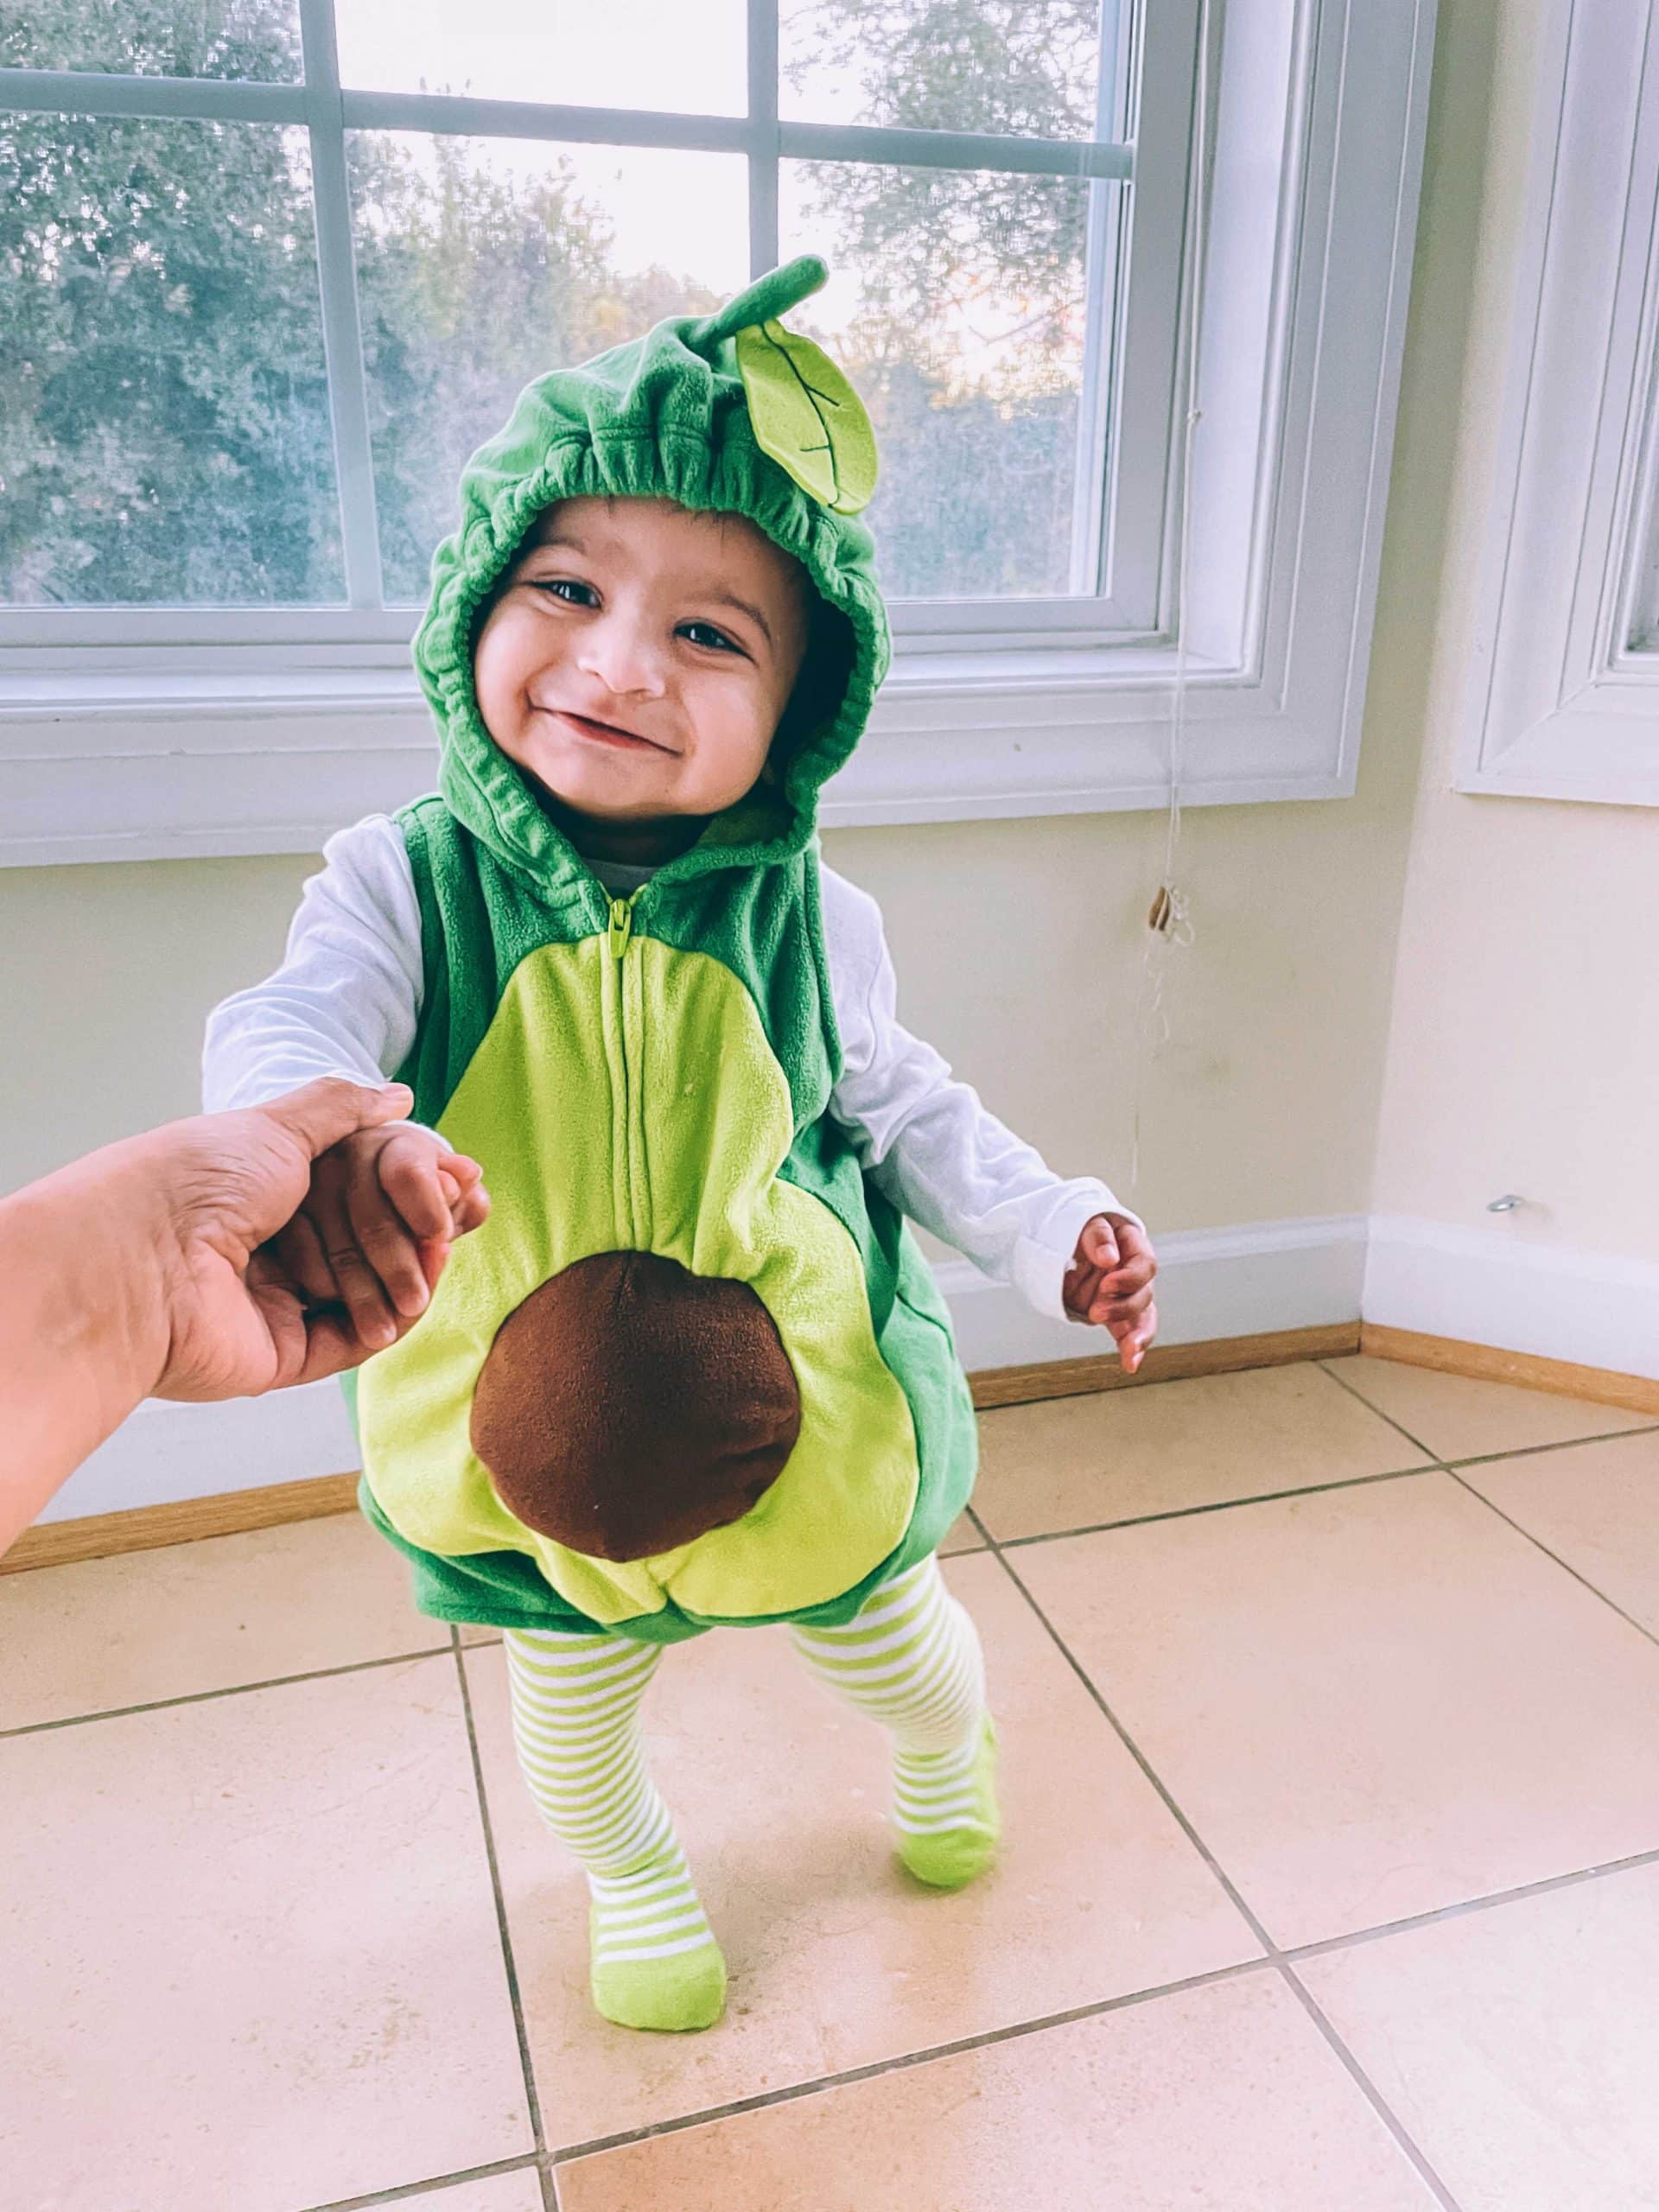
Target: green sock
pixel 945 1810
pixel 656 1963
pixel 575 1719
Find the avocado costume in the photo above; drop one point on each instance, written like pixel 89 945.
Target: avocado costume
pixel 692 1370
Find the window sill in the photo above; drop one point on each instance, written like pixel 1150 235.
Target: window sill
pixel 188 761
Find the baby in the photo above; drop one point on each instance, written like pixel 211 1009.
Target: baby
pixel 692 1371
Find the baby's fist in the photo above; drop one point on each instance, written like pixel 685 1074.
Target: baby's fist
pixel 376 1227
pixel 1109 1284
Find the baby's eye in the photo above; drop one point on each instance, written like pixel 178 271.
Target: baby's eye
pixel 561 586
pixel 704 633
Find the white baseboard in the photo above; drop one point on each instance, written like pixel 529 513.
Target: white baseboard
pixel 1499 1286
pixel 1212 1282
pixel 166 1452
pixel 1232 1282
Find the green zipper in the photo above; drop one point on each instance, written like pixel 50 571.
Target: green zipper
pixel 625 991
pixel 621 925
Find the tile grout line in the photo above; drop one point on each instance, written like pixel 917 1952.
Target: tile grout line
pixel 1359 1399
pixel 1455 1469
pixel 549 2186
pixel 1192 1512
pixel 1274 1955
pixel 1539 1544
pixel 988 2039
pixel 1430 1463
pixel 1480 1458
pixel 1537 1450
pixel 410 2192
pixel 1466 1907
pixel 232 1689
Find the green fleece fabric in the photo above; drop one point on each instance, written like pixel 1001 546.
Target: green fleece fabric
pixel 655 1074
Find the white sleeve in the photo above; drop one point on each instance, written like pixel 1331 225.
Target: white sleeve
pixel 926 1141
pixel 347 996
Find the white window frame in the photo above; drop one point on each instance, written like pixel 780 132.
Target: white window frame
pixel 1564 686
pixel 248 733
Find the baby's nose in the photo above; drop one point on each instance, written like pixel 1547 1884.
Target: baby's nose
pixel 626 661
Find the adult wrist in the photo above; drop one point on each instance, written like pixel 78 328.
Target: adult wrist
pixel 97 1245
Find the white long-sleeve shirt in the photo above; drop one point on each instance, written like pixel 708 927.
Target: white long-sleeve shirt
pixel 347 1001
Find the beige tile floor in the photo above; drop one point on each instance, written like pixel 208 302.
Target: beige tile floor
pixel 1330 1700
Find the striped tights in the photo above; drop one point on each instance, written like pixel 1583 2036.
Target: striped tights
pixel 910 1659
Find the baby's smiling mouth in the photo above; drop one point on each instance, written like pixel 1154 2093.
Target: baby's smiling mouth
pixel 605 732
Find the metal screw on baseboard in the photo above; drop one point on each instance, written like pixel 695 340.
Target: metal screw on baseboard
pixel 1507 1204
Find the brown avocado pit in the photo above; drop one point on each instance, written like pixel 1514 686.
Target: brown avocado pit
pixel 628 1407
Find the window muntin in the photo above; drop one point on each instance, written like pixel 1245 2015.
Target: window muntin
pixel 999 400
pixel 525 229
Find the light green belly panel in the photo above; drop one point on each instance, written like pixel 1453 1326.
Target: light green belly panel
pixel 633 1102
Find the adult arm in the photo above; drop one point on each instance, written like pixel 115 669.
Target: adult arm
pixel 138 1272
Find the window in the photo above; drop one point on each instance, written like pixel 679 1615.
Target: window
pixel 165 265
pixel 1565 689
pixel 275 267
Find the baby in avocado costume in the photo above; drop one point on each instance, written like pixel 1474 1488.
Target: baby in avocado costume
pixel 692 1371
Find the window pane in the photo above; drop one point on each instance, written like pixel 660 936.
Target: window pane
pixel 258 39
pixel 164 433
pixel 1644 633
pixel 1024 68
pixel 483 262
pixel 957 305
pixel 644 54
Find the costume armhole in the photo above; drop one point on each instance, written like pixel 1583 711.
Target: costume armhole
pixel 435 975
pixel 811 864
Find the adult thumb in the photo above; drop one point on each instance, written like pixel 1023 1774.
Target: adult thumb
pixel 320 1114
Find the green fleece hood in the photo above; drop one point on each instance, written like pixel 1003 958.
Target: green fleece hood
pixel 731 413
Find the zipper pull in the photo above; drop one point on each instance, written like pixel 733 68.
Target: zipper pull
pixel 621 927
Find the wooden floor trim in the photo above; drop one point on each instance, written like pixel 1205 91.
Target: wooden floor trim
pixel 144 1528
pixel 1488 1364
pixel 59 1543
pixel 1072 1378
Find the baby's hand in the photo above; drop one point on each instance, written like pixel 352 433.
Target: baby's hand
pixel 1110 1282
pixel 383 1209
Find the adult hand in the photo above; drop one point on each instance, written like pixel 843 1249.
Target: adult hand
pixel 239 1320
pixel 151 1269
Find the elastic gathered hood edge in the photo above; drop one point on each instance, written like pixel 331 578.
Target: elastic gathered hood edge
pixel 664 417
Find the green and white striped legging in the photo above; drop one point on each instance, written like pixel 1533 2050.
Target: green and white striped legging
pixel 910 1659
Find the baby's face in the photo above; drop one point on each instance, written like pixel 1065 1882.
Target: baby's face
pixel 639 658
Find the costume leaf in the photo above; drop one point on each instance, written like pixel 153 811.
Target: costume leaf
pixel 807 415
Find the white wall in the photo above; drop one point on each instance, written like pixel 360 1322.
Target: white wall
pixel 1523 1047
